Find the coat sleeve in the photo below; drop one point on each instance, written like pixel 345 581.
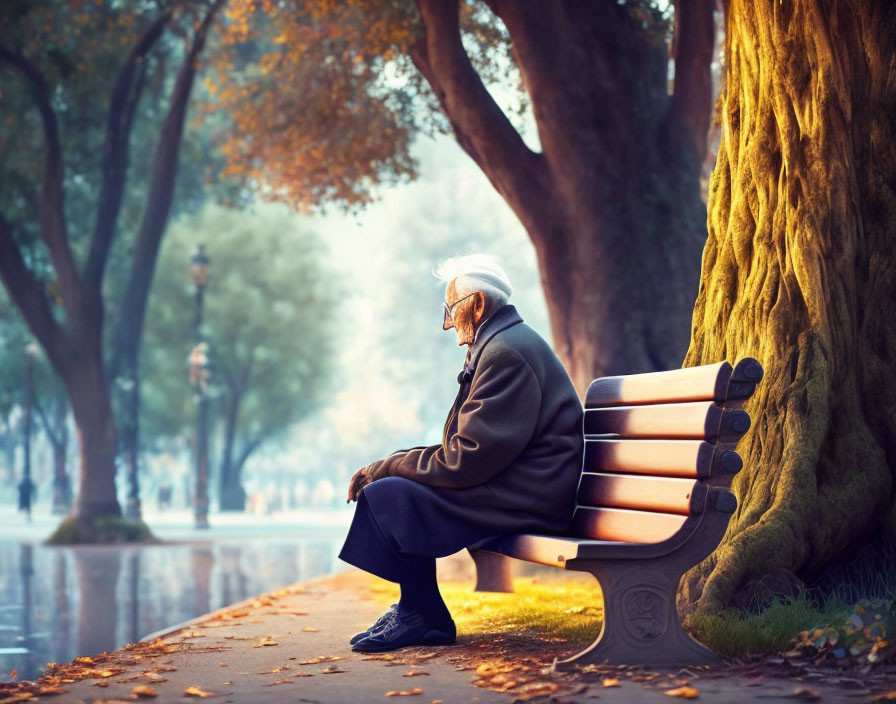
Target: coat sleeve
pixel 494 424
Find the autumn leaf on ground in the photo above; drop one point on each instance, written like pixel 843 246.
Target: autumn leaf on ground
pixel 413 672
pixel 19 697
pixel 611 682
pixel 320 658
pixel 683 692
pixel 804 693
pixel 144 690
pixel 51 689
pixel 154 677
pixel 267 640
pixel 193 691
pixel 403 693
pixel 885 697
pixel 271 684
pixel 331 670
pixel 309 629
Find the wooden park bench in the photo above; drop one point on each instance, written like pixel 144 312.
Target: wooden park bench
pixel 652 502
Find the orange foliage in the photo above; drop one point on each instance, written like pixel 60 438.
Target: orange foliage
pixel 313 121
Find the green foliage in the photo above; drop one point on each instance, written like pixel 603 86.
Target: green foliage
pixel 270 308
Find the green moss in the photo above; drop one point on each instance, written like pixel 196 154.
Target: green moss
pixel 101 529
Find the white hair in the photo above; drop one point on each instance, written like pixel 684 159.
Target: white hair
pixel 476 272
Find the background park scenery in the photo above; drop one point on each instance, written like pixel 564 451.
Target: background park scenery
pixel 218 222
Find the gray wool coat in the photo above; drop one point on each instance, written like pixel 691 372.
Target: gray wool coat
pixel 510 456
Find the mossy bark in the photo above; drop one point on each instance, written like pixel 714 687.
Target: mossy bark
pixel 798 272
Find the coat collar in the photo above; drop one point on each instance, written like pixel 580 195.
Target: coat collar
pixel 500 320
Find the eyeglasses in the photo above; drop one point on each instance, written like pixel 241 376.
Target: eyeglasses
pixel 448 321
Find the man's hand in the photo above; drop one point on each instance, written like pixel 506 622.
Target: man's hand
pixel 360 479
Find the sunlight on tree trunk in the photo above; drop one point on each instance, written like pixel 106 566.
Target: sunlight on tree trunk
pixel 798 273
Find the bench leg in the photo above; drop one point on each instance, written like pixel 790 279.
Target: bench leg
pixel 641 623
pixel 493 571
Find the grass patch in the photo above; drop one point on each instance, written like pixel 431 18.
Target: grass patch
pixel 567 608
pixel 735 633
pixel 103 529
pixel 570 608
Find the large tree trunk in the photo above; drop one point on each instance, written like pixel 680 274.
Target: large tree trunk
pixel 612 201
pixel 97 435
pixel 798 273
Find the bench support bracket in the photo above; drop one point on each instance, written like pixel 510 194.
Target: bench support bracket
pixel 493 571
pixel 641 624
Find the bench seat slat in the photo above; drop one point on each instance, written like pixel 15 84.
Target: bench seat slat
pixel 661 494
pixel 625 525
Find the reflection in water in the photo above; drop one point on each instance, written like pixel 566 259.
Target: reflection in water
pixel 57 603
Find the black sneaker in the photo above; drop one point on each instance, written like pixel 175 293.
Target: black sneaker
pixel 379 623
pixel 405 628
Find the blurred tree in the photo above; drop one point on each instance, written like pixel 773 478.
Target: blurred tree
pixel 798 272
pixel 49 397
pixel 270 322
pixel 54 60
pixel 326 109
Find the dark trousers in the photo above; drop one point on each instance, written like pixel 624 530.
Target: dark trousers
pixel 367 547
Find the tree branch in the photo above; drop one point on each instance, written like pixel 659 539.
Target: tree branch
pixel 690 108
pixel 481 127
pixel 51 210
pixel 28 295
pixel 125 96
pixel 158 203
pixel 248 449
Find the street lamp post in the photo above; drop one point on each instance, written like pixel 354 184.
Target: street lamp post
pixel 26 487
pixel 199 378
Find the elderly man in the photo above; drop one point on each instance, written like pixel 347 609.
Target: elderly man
pixel 509 461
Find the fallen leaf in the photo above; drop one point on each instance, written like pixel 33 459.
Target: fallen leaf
pixel 805 693
pixel 51 689
pixel 320 658
pixel 331 670
pixel 309 629
pixel 414 672
pixel 683 692
pixel 192 691
pixel 271 684
pixel 267 640
pixel 144 690
pixel 885 697
pixel 403 693
pixel 154 677
pixel 611 682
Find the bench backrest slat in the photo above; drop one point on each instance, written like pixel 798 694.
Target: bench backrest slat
pixel 619 524
pixel 697 420
pixel 654 443
pixel 640 493
pixel 696 459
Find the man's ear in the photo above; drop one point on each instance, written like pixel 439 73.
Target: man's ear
pixel 479 310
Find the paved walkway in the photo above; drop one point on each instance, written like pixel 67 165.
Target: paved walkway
pixel 291 645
